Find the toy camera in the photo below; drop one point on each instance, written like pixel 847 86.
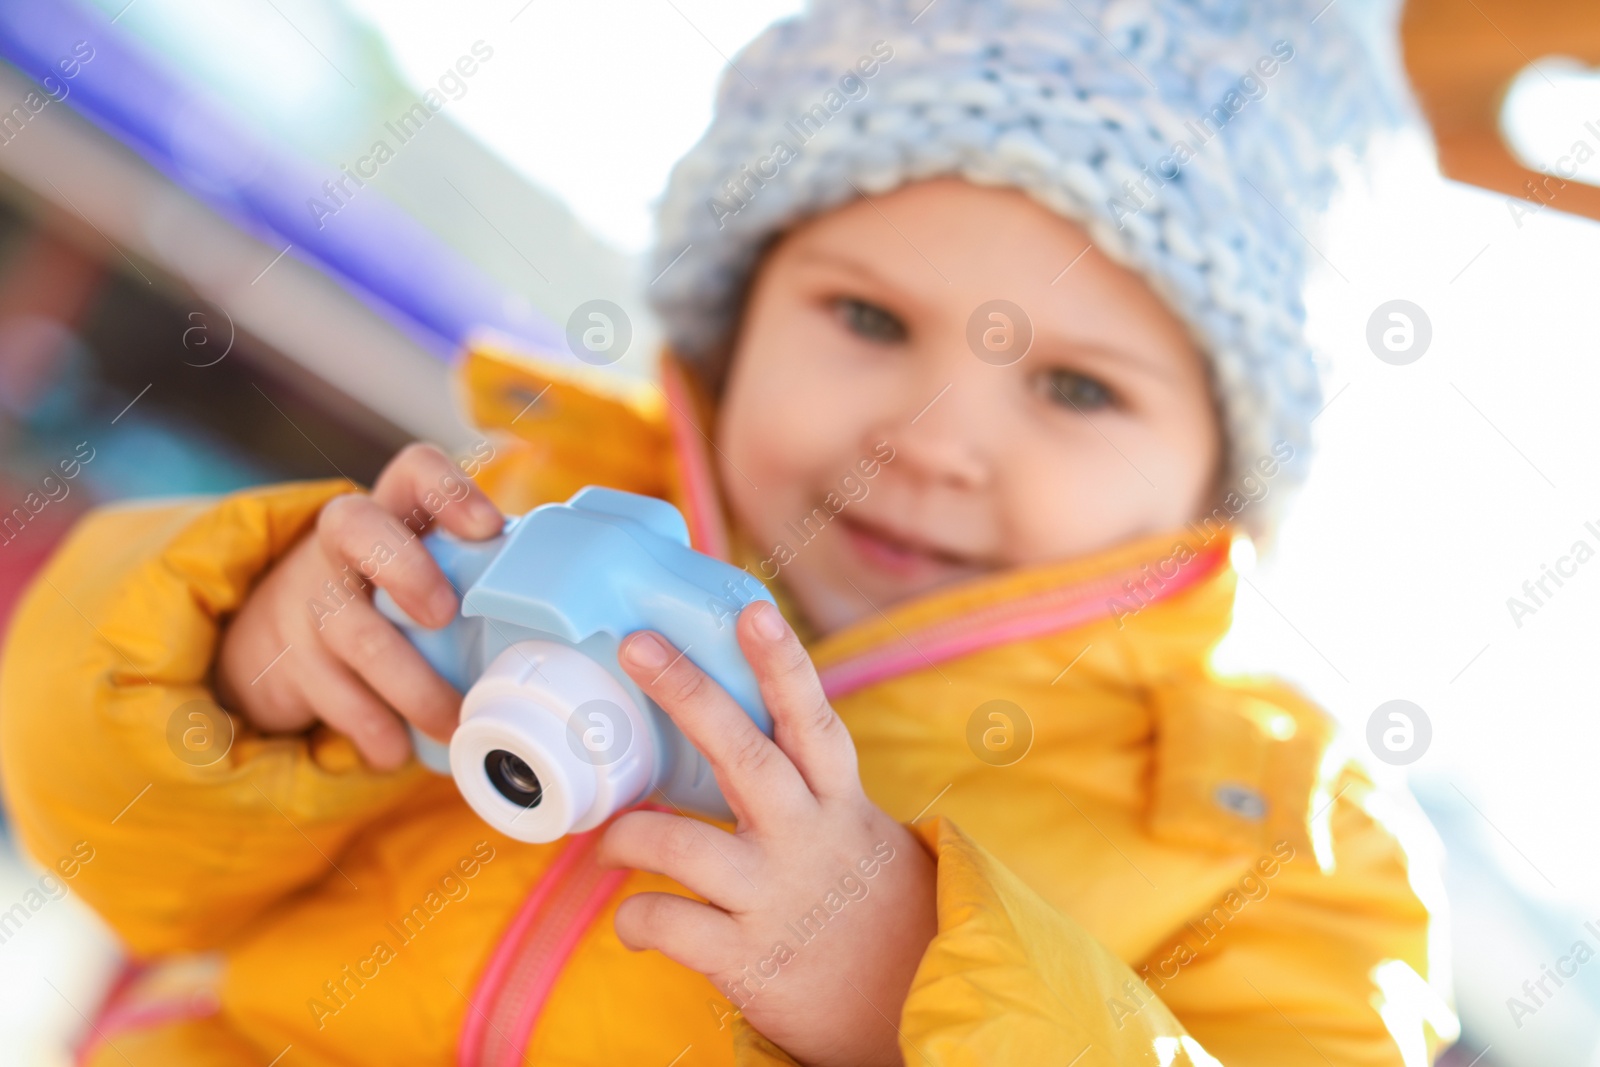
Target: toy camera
pixel 554 737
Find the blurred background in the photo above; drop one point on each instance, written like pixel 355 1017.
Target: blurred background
pixel 177 317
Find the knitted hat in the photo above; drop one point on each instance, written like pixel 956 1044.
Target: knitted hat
pixel 1193 140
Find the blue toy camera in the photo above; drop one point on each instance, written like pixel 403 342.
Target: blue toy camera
pixel 554 737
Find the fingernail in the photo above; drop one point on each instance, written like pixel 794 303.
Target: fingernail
pixel 443 604
pixel 486 513
pixel 769 622
pixel 647 651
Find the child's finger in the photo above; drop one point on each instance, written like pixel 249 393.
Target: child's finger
pixel 706 860
pixel 344 702
pixel 759 782
pixel 422 484
pixel 805 724
pixel 691 933
pixel 369 544
pixel 380 654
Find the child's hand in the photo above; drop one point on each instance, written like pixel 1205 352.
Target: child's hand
pixel 821 905
pixel 296 653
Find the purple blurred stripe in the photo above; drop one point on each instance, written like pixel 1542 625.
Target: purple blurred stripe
pixel 371 247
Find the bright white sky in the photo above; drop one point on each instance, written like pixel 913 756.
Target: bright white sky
pixel 593 100
pixel 1441 486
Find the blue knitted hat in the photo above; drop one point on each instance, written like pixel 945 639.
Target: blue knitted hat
pixel 1193 139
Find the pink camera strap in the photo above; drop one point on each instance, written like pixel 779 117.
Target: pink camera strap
pixel 534 950
pixel 573 892
pixel 145 996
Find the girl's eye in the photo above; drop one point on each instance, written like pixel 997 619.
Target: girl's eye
pixel 869 320
pixel 1073 390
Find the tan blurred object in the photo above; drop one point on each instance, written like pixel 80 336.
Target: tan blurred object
pixel 1462 55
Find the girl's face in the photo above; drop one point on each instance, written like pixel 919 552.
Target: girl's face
pixel 867 334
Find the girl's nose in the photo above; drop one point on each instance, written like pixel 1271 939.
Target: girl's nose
pixel 938 437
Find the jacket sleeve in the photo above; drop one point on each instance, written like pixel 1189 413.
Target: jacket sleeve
pixel 108 651
pixel 1332 973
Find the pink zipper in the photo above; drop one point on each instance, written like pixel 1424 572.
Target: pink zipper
pixel 1047 612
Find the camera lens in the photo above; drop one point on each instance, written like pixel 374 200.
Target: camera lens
pixel 513 778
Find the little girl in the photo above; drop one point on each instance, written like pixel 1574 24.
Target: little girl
pixel 985 343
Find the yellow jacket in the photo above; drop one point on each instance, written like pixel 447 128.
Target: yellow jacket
pixel 1138 861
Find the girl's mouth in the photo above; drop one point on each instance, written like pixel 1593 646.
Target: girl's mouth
pixel 896 553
